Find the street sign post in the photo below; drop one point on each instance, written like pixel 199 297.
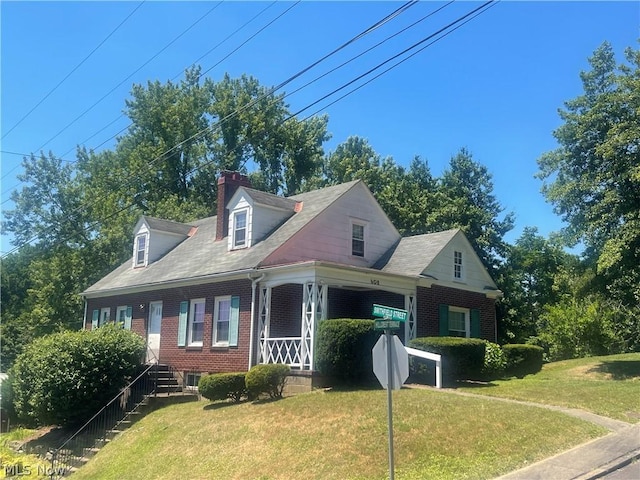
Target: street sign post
pixel 390 347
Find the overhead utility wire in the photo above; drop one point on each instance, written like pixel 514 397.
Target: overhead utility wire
pixel 73 70
pixel 121 115
pixel 173 78
pixel 328 72
pixel 493 3
pixel 271 91
pixel 380 65
pixel 127 78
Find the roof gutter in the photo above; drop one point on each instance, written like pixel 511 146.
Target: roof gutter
pixel 147 287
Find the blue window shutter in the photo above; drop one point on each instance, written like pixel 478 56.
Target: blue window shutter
pixel 127 318
pixel 475 323
pixel 234 321
pixel 182 324
pixel 94 319
pixel 444 320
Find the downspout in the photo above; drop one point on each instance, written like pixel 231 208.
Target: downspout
pixel 84 318
pixel 254 283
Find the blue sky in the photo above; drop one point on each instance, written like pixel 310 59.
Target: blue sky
pixel 493 86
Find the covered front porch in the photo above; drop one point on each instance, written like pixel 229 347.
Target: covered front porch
pixel 293 301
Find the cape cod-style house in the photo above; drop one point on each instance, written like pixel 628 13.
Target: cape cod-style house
pixel 251 284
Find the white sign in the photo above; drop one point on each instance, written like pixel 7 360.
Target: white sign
pixel 399 362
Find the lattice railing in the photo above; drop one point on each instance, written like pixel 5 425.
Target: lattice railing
pixel 285 350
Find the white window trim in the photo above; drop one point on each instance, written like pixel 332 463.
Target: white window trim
pixel 362 224
pixel 467 319
pixel 192 310
pixel 216 315
pixel 461 278
pixel 136 250
pixel 246 242
pixel 101 320
pixel 194 375
pixel 121 308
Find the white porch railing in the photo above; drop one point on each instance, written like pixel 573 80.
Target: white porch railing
pixel 287 350
pixel 429 356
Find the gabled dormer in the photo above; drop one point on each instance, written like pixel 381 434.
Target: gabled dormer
pixel 254 214
pixel 154 237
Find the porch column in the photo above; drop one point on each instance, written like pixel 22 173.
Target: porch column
pixel 314 310
pixel 264 320
pixel 410 326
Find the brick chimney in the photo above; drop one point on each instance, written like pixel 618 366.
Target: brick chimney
pixel 228 183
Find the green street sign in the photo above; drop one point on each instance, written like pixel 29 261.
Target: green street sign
pixel 386 325
pixel 389 313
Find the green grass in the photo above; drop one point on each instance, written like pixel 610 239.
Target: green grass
pixel 338 435
pixel 607 386
pixel 32 467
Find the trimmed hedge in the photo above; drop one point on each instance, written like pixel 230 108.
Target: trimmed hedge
pixel 343 350
pixel 222 386
pixel 64 378
pixel 462 358
pixel 267 378
pixel 522 359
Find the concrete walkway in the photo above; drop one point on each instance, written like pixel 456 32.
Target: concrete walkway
pixel 588 461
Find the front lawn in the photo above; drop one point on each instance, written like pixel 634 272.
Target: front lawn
pixel 338 435
pixel 606 386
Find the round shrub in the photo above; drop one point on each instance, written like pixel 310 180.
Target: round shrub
pixel 221 386
pixel 343 350
pixel 522 359
pixel 495 361
pixel 64 378
pixel 462 358
pixel 268 379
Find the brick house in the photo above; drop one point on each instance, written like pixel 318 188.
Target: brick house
pixel 251 284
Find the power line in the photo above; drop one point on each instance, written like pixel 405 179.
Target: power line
pixel 73 70
pixel 128 77
pixel 461 20
pixel 492 4
pixel 176 76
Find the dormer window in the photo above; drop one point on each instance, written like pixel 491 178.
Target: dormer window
pixel 457 265
pixel 357 240
pixel 240 229
pixel 140 251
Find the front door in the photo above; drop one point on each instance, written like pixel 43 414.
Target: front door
pixel 153 332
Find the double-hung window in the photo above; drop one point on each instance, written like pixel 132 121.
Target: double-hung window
pixel 457 265
pixel 459 322
pixel 225 321
pixel 140 253
pixel 196 322
pixel 357 240
pixel 240 229
pixel 123 317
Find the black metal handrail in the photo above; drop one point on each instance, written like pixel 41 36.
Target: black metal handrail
pixel 98 430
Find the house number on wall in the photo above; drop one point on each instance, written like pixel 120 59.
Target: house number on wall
pixel 375 282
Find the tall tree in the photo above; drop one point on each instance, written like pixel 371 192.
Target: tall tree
pixel 593 178
pixel 466 201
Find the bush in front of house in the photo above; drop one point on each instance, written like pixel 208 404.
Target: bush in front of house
pixel 495 361
pixel 522 359
pixel 462 359
pixel 222 386
pixel 65 378
pixel 266 379
pixel 343 350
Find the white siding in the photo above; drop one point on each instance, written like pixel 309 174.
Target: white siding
pixel 328 236
pixel 474 274
pixel 160 243
pixel 261 220
pixel 265 220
